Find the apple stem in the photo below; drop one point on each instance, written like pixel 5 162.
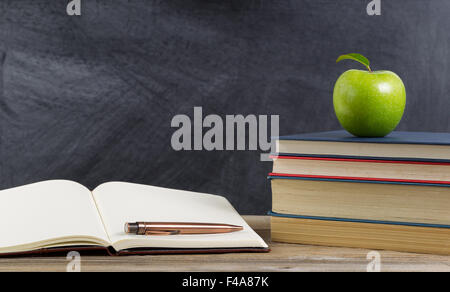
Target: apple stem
pixel 370 70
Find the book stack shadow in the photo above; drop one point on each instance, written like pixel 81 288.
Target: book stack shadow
pixel 390 193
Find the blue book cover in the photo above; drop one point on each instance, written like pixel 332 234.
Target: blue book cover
pixel 359 180
pixel 398 137
pixel 271 213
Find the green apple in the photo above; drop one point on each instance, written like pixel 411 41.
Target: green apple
pixel 368 103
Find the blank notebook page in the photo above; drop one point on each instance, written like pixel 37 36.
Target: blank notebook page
pixel 120 202
pixel 48 210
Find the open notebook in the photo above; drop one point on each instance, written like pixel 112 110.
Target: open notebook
pixel 58 214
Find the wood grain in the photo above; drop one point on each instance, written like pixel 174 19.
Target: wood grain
pixel 284 257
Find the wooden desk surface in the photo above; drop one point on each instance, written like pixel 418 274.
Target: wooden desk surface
pixel 283 257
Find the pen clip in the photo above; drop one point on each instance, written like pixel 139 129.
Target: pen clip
pixel 162 232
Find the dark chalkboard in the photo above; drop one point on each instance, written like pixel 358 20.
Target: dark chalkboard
pixel 90 98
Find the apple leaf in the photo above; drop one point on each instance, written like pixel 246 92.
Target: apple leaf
pixel 356 57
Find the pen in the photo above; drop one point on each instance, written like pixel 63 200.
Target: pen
pixel 172 228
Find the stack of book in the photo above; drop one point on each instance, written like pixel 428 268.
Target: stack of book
pixel 391 193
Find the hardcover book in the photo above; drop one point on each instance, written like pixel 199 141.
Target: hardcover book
pixel 57 215
pixel 405 202
pixel 398 145
pixel 332 188
pixel 348 233
pixel 365 168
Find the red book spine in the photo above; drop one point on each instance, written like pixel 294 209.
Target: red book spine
pixel 358 160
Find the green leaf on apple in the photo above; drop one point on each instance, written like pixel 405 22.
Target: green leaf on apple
pixel 355 57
